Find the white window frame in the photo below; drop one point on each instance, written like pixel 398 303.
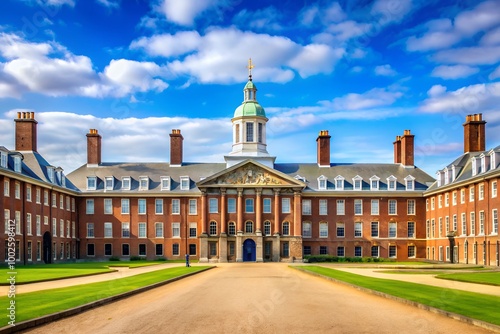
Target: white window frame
pixel 285 205
pixel 410 183
pixel 109 183
pixel 322 182
pixel 108 206
pixel 357 183
pixel 358 202
pixel 306 207
pixel 165 183
pixel 374 207
pixel 158 206
pixel 392 207
pixel 392 183
pixel 143 183
pixel 126 183
pixel 339 182
pixel 374 183
pixel 411 207
pixel 340 207
pixel 176 230
pixel 184 182
pixel 125 204
pixel 91 182
pixel 176 206
pixel 213 205
pixel 323 207
pixel 142 206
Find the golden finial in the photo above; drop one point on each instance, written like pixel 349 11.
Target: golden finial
pixel 250 66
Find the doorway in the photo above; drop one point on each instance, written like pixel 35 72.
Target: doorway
pixel 248 250
pixel 47 247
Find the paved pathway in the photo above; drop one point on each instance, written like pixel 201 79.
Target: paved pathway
pixel 256 298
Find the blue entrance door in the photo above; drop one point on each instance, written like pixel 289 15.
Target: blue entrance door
pixel 249 250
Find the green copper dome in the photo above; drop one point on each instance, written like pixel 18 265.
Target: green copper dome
pixel 250 108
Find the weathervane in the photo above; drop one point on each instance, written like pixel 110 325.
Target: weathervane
pixel 250 66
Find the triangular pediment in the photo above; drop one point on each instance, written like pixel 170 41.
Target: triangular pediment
pixel 250 173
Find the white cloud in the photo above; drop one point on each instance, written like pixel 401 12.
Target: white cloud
pixel 322 15
pixel 475 55
pixel 495 74
pixel 168 45
pixel 491 38
pixel 186 11
pixel 484 16
pixel 341 32
pixel 436 90
pixel 389 11
pixel 438 34
pixel 454 72
pixel 357 69
pixel 261 19
pixel 385 70
pixel 113 4
pixel 374 98
pixel 316 58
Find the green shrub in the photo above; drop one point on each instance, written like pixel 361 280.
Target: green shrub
pixel 114 258
pixel 161 259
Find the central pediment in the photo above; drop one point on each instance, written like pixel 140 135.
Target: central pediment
pixel 250 173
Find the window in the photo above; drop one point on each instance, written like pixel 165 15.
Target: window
pixel 374 229
pixel 481 222
pixel 306 207
pixel 125 250
pixel 109 183
pixel 213 228
pixel 158 230
pixel 90 230
pixel 494 189
pixel 141 208
pixel 471 194
pixel 306 230
pixel 176 206
pixel 410 183
pixel 159 249
pixel 323 207
pixel 108 249
pixel 323 250
pixel 307 250
pixel 285 205
pixel 184 182
pixel 142 230
pixel 17 192
pixel 286 228
pixel 143 183
pixel 267 227
pixel 433 203
pixel 232 228
pixel 61 228
pixel 90 250
pixel 358 251
pixel 248 227
pixel 391 183
pixel 433 228
pixel 358 206
pixel 46 197
pixel 126 183
pixel 374 182
pixel 38 225
pixel 90 207
pixel 249 205
pixel 68 205
pixel 472 223
pixel 158 206
pixel 481 192
pixel 28 224
pixel 192 230
pixel 411 207
pixel 231 205
pixel 440 201
pixel 440 226
pixel 259 134
pixel 374 207
pixel 323 230
pixel 464 224
pixel 108 230
pixel 340 230
pixel 176 230
pixel 340 251
pixel 165 182
pixel 237 133
pixel 175 250
pixel 213 205
pixel 61 201
pixel 6 188
pixel 266 205
pixel 3 159
pixel 411 229
pixel 455 223
pixel 125 206
pixel 17 165
pixel 28 193
pixel 286 249
pixel 374 251
pixel 392 206
pixel 392 230
pixel 392 251
pixel 339 183
pixel 357 182
pixel 108 206
pixel 462 196
pixel 125 230
pixel 340 207
pixel 358 230
pixel 249 136
pixel 446 200
pixel 91 183
pixel 494 221
pixel 411 251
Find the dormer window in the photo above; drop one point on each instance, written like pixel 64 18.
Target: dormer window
pixel 453 173
pixel 474 166
pixel 91 183
pixel 184 182
pixel 357 182
pixel 391 182
pixel 143 183
pixel 446 176
pixel 17 163
pixel 374 182
pixel 126 183
pixel 50 173
pixel 484 162
pixel 410 183
pixel 493 164
pixel 63 180
pixel 339 182
pixel 165 182
pixel 3 157
pixel 109 183
pixel 322 180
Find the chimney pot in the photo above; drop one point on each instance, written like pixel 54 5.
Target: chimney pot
pixel 26 131
pixel 93 147
pixel 176 140
pixel 474 133
pixel 323 149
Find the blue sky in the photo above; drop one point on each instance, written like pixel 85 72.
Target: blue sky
pixel 364 70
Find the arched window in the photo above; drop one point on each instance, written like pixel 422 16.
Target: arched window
pixel 231 228
pixel 248 227
pixel 267 227
pixel 286 228
pixel 213 228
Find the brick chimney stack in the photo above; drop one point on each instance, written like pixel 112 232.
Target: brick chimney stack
pixel 176 148
pixel 26 136
pixel 93 147
pixel 397 150
pixel 407 149
pixel 323 153
pixel 474 133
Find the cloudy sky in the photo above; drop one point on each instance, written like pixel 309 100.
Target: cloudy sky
pixel 364 70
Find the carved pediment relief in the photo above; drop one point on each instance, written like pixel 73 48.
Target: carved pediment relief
pixel 250 175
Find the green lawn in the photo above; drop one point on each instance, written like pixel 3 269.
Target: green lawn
pixel 473 305
pixel 35 304
pixel 43 272
pixel 490 278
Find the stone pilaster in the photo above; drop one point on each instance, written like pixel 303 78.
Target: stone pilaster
pixel 239 246
pixel 276 248
pixel 223 248
pixel 203 248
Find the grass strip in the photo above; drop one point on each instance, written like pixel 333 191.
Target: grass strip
pixel 36 304
pixel 491 278
pixel 473 305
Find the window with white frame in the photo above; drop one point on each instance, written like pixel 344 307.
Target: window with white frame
pixel 266 207
pixel 18 222
pixel 38 225
pixel 61 228
pixel 231 228
pixel 125 230
pixel 193 230
pixel 410 183
pixel 142 233
pixel 184 182
pixel 126 183
pixel 28 193
pixel 474 166
pixel 231 205
pixel 306 230
pixel 61 201
pixel 340 251
pixel 472 223
pixel 108 230
pixel 358 251
pixel 322 181
pixel 213 205
pixel 374 182
pixel 212 229
pixel 358 206
pixel 248 227
pixel 340 207
pixel 108 206
pixel 193 206
pixel 91 183
pixel 249 205
pixel 393 206
pixel 125 207
pixel 323 207
pixel 440 201
pixel 374 230
pixel 340 229
pixel 454 198
pixel 464 223
pixel 358 230
pixel 323 230
pixel 412 251
pixel 90 230
pixel 339 183
pixel 17 192
pixel 158 230
pixel 462 196
pixel 267 227
pixel 494 221
pixel 481 222
pixel 29 225
pixel 158 206
pixel 471 194
pixel 306 207
pixel 143 183
pixel 165 182
pixel 286 228
pixel 89 207
pixel 17 164
pixel 6 188
pixel 433 201
pixel 109 183
pixel 446 199
pixel 141 206
pixel 481 191
pixel 285 205
pixel 374 210
pixel 249 132
pixel 391 182
pixel 393 227
pixel 3 159
pixel 493 164
pixel 176 230
pixel 411 229
pixel 493 189
pixel 176 206
pixel 411 207
pixel 357 182
pixel 392 251
pixel 375 251
pixel 455 223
